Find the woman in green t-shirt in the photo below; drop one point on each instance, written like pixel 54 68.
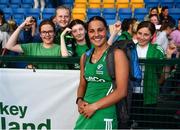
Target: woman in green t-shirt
pixel 80 39
pixel 46 48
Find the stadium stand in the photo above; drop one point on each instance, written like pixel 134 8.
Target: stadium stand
pixel 108 3
pixel 93 12
pixel 48 13
pixel 15 3
pixel 109 13
pixel 122 4
pixel 80 3
pixel 168 3
pixel 151 3
pixel 4 4
pixel 140 13
pixel 124 13
pixel 94 4
pixel 27 4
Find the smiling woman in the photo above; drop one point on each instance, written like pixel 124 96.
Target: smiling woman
pixel 46 48
pixel 95 97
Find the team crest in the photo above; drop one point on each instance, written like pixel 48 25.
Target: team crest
pixel 99 69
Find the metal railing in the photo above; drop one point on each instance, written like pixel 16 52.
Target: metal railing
pixel 164 114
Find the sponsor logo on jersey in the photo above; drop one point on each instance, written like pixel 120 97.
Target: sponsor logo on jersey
pixel 100 69
pixel 94 79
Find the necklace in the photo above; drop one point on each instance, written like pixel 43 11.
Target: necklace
pixel 97 55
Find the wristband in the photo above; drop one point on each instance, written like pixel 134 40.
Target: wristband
pixel 78 99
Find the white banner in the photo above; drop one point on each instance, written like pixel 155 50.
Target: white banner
pixel 44 99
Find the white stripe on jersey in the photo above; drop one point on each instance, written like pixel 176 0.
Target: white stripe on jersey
pixel 110 90
pixel 108 124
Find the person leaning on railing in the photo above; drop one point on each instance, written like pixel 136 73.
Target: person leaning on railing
pixel 46 48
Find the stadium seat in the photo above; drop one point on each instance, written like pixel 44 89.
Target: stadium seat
pixel 108 3
pixel 110 21
pixel 93 12
pixel 174 12
pixel 33 12
pixel 27 4
pixel 19 13
pixel 140 13
pixel 8 13
pixel 80 3
pixel 94 4
pixel 68 3
pixel 48 13
pixel 122 4
pixel 168 3
pixel 79 13
pixel 151 3
pixel 4 4
pixel 109 13
pixel 124 13
pixel 15 3
pixel 137 4
pixel 177 3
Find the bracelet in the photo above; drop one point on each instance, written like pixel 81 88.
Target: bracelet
pixel 78 99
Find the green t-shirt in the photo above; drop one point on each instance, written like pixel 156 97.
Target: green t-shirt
pixel 37 49
pixel 99 85
pixel 125 36
pixel 80 49
pixel 152 73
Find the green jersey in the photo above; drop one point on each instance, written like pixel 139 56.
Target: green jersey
pixel 152 73
pixel 37 49
pixel 99 85
pixel 125 36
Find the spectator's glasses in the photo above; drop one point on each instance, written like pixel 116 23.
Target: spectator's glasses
pixel 50 32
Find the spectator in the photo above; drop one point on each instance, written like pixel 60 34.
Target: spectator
pixel 79 33
pixel 42 4
pixel 4 27
pixel 175 35
pixel 12 26
pixel 154 19
pixel 46 48
pixel 4 36
pixel 96 98
pixel 63 18
pixel 162 37
pixel 80 43
pixel 152 11
pixel 30 34
pixel 165 17
pixel 146 50
pixel 127 28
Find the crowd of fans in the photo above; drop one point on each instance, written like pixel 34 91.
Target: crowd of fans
pixel 61 36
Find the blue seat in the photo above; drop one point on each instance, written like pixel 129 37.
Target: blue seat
pixel 140 13
pixel 27 4
pixel 33 12
pixel 109 13
pixel 4 4
pixel 124 13
pixel 151 3
pixel 177 3
pixel 174 12
pixel 15 3
pixel 8 13
pixel 168 3
pixel 93 12
pixel 18 21
pixel 19 13
pixel 111 21
pixel 48 13
pixel 67 3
